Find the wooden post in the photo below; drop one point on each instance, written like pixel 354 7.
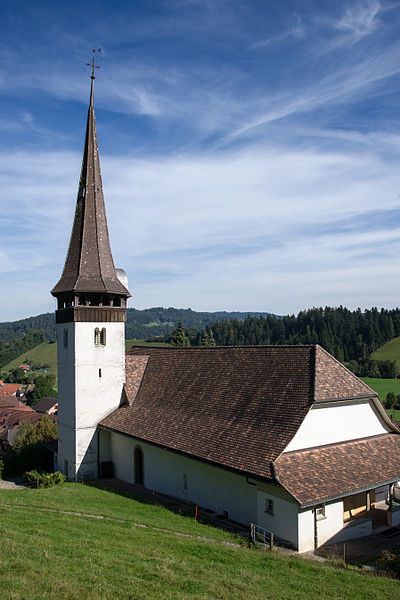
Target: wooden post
pixel 271 541
pixel 196 513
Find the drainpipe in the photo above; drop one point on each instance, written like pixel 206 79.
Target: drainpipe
pixel 315 529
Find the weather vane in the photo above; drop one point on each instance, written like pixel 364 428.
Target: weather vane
pixel 92 63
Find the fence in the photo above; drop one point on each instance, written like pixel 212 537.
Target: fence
pixel 261 536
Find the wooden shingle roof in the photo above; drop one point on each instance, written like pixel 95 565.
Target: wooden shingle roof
pixel 89 266
pixel 237 407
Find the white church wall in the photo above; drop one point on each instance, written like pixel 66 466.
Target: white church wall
pixel 208 486
pixel 281 520
pixel 337 423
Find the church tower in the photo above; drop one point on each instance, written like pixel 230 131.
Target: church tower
pixel 90 322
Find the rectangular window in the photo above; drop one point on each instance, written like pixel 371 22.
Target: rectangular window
pixel 65 338
pixel 185 482
pixel 269 506
pixel 99 372
pixel 66 468
pixel 320 512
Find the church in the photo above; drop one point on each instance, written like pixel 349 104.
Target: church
pixel 281 436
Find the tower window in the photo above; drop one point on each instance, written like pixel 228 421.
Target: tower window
pixel 65 338
pixel 99 372
pixel 100 336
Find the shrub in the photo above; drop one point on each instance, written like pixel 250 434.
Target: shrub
pixel 389 562
pixel 40 479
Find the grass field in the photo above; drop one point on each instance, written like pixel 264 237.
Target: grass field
pixel 46 353
pixel 52 554
pixel 382 387
pixel 389 351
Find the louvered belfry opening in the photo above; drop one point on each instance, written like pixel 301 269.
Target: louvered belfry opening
pixel 89 279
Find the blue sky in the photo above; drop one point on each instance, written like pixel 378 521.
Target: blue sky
pixel 250 150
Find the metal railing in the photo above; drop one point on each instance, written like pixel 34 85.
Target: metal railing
pixel 261 536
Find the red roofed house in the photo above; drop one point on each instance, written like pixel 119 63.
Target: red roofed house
pixel 281 436
pixel 13 413
pixel 9 389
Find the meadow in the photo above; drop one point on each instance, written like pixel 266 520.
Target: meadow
pixel 77 541
pixel 389 351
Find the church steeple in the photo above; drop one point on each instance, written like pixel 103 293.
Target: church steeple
pixel 89 276
pixel 90 322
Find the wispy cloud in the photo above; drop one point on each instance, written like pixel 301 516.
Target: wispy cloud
pixel 359 20
pixel 295 31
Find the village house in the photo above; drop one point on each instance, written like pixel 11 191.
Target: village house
pixel 9 389
pixel 47 405
pixel 281 436
pixel 14 413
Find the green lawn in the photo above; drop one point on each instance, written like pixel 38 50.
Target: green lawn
pixel 389 351
pixel 57 555
pixel 382 387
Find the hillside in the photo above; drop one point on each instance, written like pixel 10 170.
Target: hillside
pixel 80 542
pixel 389 351
pixel 46 354
pixel 141 324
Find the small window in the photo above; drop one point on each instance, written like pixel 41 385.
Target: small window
pixel 269 506
pixel 185 482
pixel 66 468
pixel 65 338
pixel 99 372
pixel 100 337
pixel 320 512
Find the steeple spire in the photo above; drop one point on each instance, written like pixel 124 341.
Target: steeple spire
pixel 89 266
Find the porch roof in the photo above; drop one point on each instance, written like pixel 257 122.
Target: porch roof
pixel 320 474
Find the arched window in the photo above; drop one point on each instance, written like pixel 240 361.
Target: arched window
pixel 100 336
pixel 139 467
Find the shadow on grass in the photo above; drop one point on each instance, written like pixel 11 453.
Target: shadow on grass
pixel 180 507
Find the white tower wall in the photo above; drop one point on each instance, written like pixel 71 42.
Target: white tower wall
pixel 90 382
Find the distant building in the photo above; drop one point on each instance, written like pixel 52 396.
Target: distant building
pixel 281 436
pixel 9 389
pixel 47 405
pixel 25 368
pixel 14 413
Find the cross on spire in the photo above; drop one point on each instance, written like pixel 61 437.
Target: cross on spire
pixel 92 63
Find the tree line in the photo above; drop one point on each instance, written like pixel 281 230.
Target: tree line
pixel 351 336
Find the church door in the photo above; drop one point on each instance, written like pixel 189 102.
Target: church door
pixel 139 470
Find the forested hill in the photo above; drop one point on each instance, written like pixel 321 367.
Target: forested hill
pixel 348 335
pixel 141 324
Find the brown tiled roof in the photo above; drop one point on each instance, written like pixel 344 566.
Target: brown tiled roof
pixel 333 380
pixel 9 389
pixel 134 367
pixel 89 266
pixel 45 404
pixel 238 407
pixel 336 470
